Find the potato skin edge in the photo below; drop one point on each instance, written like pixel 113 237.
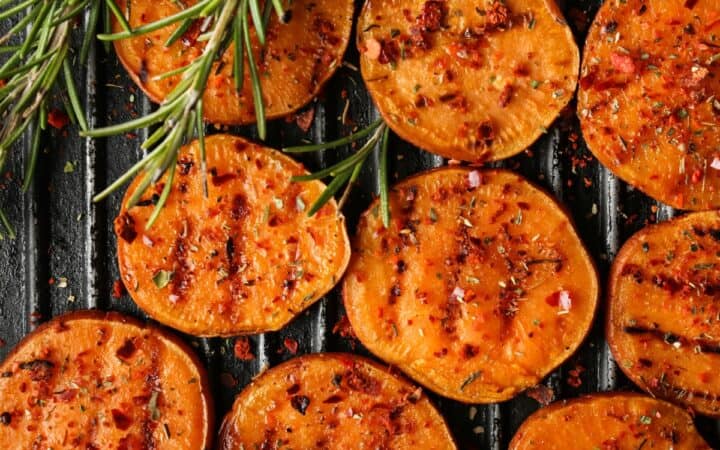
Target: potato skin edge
pixel 614 276
pixel 309 358
pixel 112 318
pixel 510 393
pixel 585 399
pixel 245 331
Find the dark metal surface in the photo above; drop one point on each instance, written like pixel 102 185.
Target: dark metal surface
pixel 63 236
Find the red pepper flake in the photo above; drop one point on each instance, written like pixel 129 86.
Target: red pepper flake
pixel 431 16
pixel 118 289
pixel 389 53
pixel 506 95
pixel 622 63
pixel 51 281
pixel 242 349
pixel 574 378
pixel 498 16
pixel 291 345
pixel 541 394
pixel 305 119
pixel 344 329
pixel 58 119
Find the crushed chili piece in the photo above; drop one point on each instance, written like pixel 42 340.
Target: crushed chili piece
pixel 118 289
pixel 344 329
pixel 541 394
pixel 574 376
pixel 431 15
pixel 57 119
pixel 242 349
pixel 498 16
pixel 305 119
pixel 291 345
pixel 506 95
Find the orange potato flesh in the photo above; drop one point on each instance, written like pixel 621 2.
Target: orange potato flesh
pixel 475 292
pixel 662 324
pixel 93 380
pixel 246 258
pixel 648 97
pixel 609 421
pixel 333 401
pixel 298 59
pixel 474 81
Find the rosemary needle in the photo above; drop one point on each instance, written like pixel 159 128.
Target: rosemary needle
pixel 180 116
pixel 32 70
pixel 348 170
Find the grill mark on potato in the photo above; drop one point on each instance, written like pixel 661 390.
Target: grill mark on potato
pixel 182 272
pixel 152 384
pixel 705 345
pixel 673 284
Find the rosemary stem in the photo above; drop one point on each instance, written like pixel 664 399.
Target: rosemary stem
pixel 34 152
pixel 383 176
pixel 257 21
pixel 360 155
pixel 8 226
pixel 190 12
pixel 16 9
pixel 257 88
pixel 334 144
pixel 115 10
pixel 329 192
pixel 73 96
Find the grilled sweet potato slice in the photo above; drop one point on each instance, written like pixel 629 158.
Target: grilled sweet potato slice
pixel 298 59
pixel 246 258
pixel 94 380
pixel 333 401
pixel 609 421
pixel 479 288
pixel 648 97
pixel 474 81
pixel 663 324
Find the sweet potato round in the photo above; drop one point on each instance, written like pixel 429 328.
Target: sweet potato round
pixel 662 324
pixel 648 97
pixel 617 421
pixel 337 401
pixel 298 59
pixel 104 381
pixel 244 259
pixel 479 288
pixel 474 81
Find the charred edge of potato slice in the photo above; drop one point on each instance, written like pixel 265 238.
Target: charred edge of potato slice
pixel 661 328
pixel 609 419
pixel 647 98
pixel 333 400
pixel 150 408
pixel 471 81
pixel 245 259
pixel 465 256
pixel 301 56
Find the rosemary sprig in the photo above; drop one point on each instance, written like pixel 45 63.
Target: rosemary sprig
pixel 347 171
pixel 32 68
pixel 180 115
